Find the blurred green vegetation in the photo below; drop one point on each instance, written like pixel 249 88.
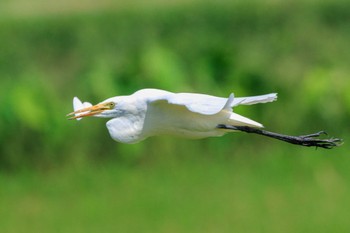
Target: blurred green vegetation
pixel 50 166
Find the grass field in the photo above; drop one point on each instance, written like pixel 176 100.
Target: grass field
pixel 278 192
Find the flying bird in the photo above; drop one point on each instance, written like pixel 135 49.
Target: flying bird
pixel 150 112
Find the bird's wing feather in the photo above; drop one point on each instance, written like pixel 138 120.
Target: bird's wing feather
pixel 210 105
pixel 255 99
pixel 200 103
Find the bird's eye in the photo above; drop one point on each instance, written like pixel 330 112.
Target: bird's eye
pixel 111 104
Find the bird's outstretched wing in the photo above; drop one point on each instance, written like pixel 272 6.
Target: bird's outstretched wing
pixel 200 103
pixel 209 105
pixel 260 99
pixel 77 105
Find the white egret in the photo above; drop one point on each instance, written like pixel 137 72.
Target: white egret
pixel 150 112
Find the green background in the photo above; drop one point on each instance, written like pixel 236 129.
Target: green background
pixel 68 176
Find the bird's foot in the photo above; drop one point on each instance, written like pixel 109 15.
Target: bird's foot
pixel 303 140
pixel 311 140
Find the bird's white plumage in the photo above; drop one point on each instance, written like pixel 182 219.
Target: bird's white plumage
pixel 126 130
pixel 151 112
pixel 201 103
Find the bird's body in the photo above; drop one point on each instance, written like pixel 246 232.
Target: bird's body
pixel 150 112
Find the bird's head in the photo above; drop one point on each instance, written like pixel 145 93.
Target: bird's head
pixel 104 109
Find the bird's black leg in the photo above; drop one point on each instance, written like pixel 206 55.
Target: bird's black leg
pixel 305 140
pixel 314 135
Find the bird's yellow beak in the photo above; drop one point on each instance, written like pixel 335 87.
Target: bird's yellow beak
pixel 90 111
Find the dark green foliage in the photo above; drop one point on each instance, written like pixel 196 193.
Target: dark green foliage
pixel 298 50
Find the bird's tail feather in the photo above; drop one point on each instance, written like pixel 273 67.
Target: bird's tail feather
pixel 238 120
